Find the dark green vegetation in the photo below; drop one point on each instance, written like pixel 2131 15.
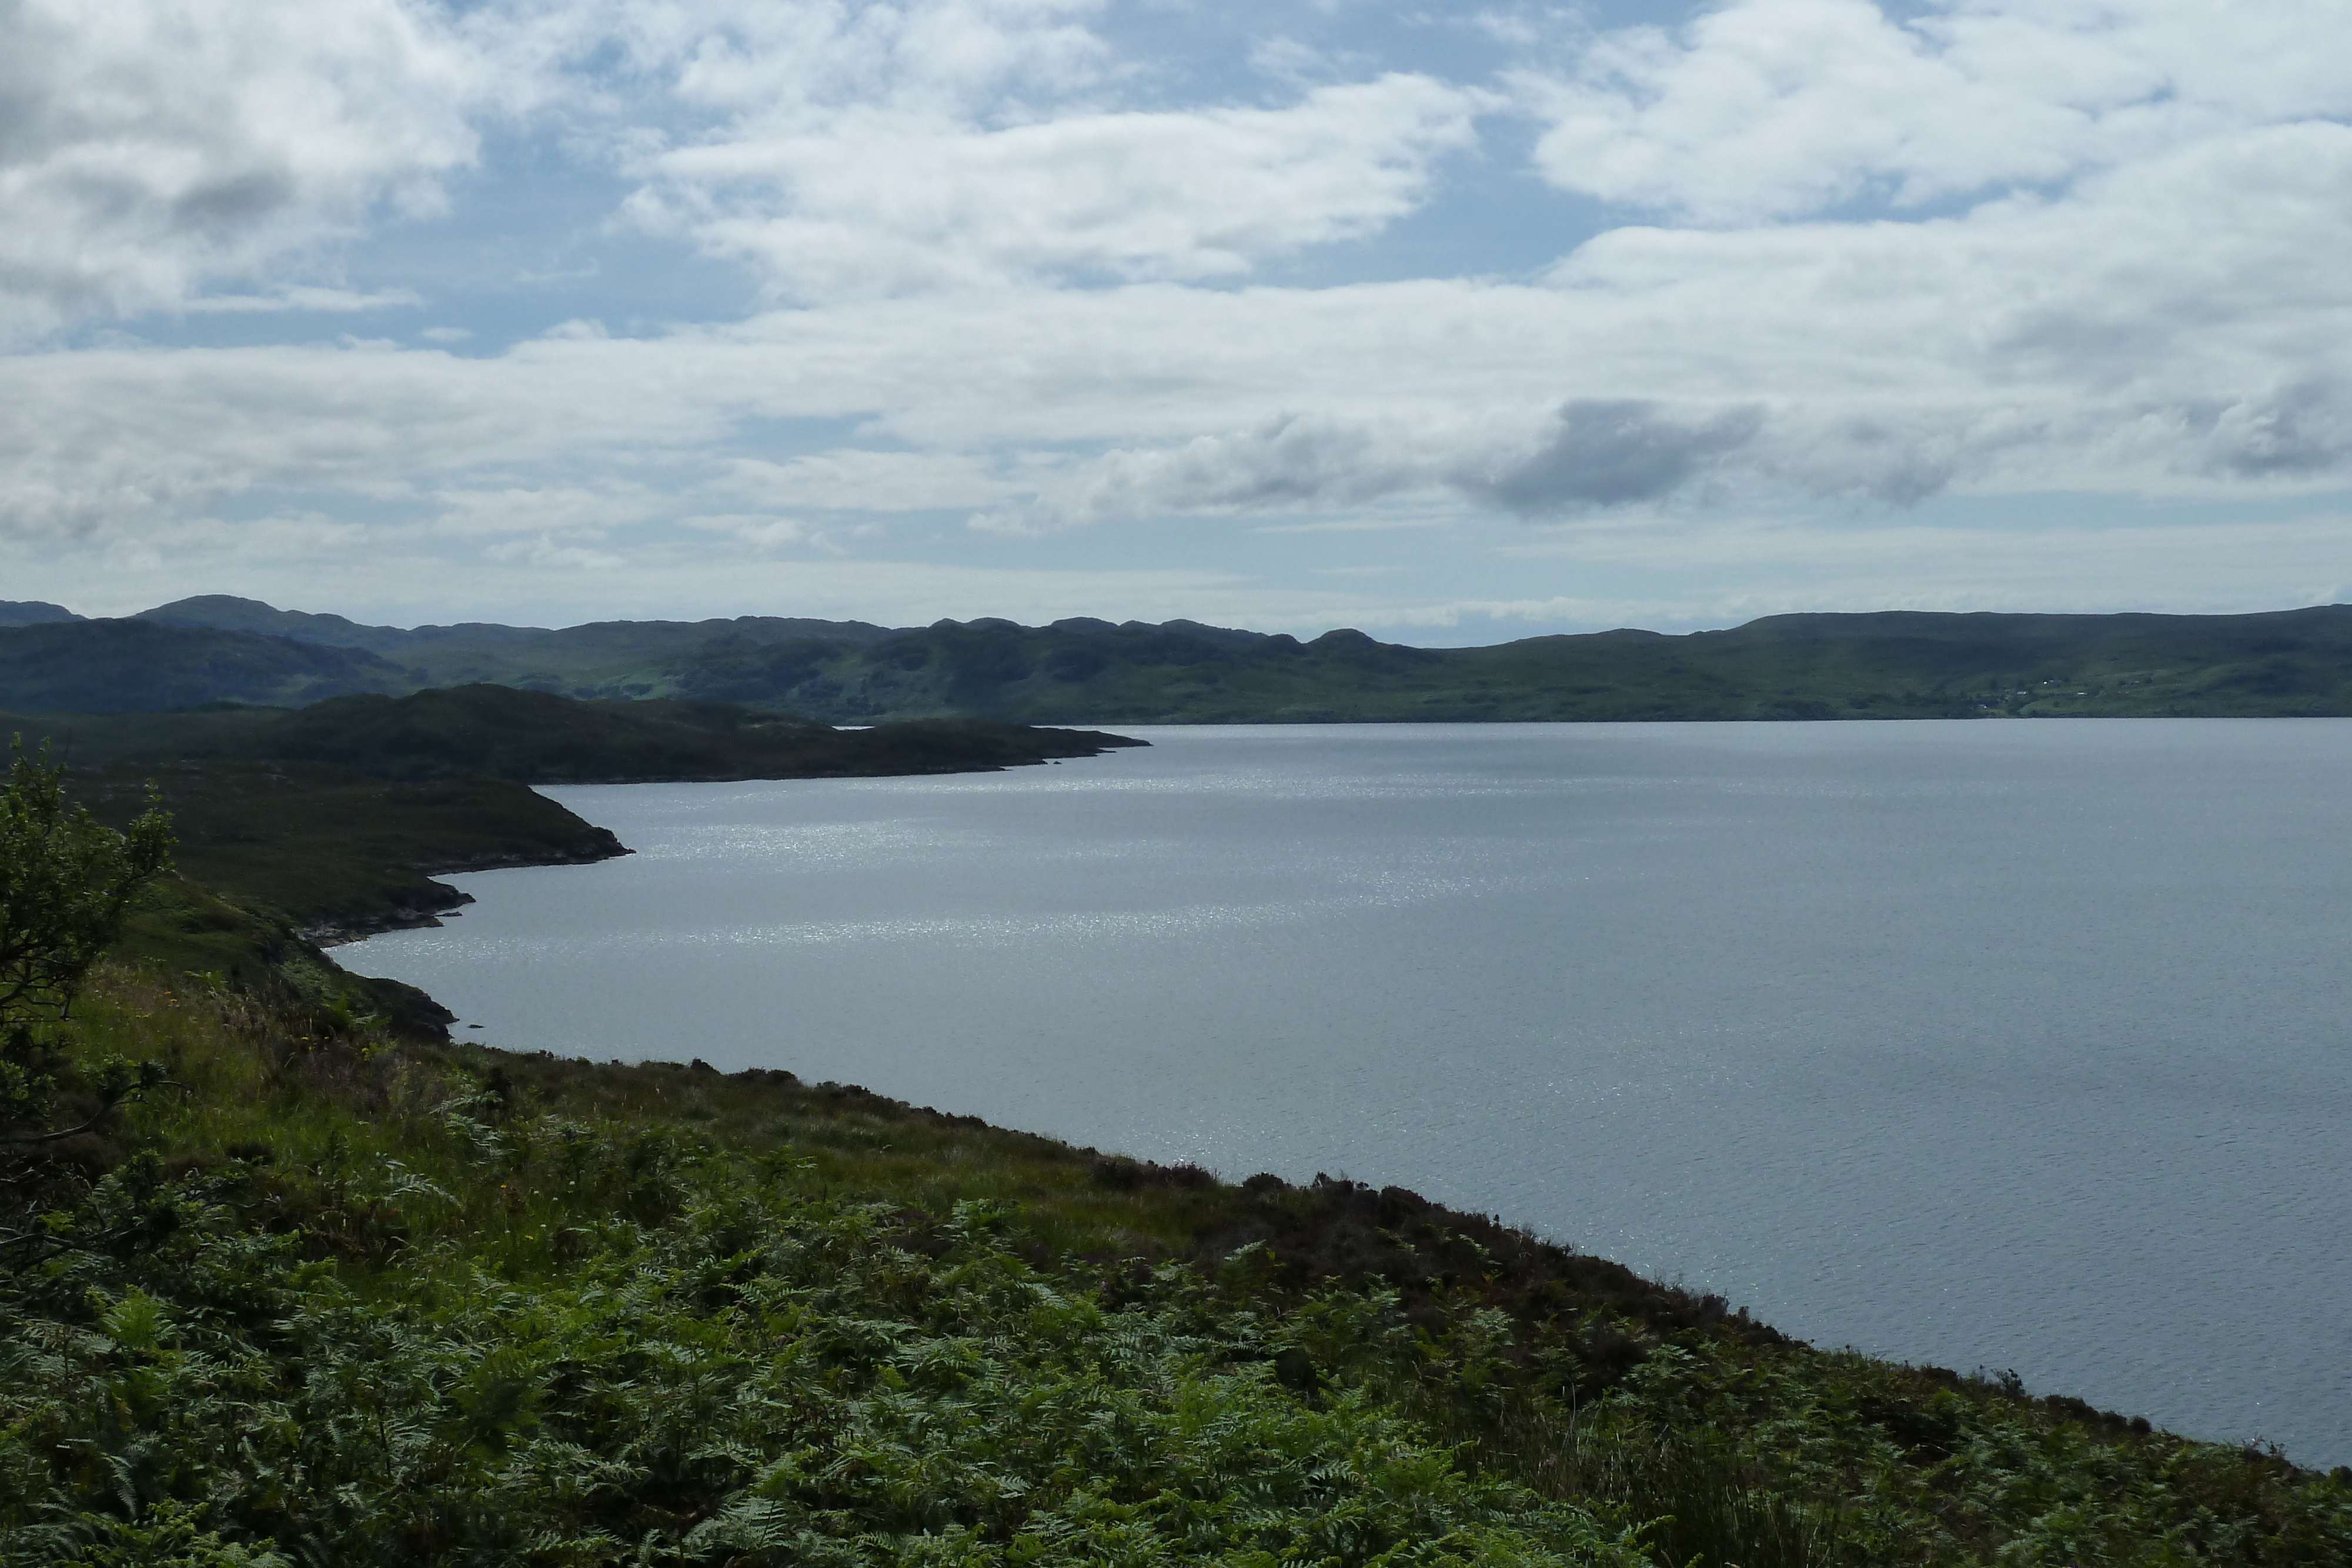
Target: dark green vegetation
pixel 606 658
pixel 535 737
pixel 278 1286
pixel 65 883
pixel 338 853
pixel 135 666
pixel 349 1300
pixel 1898 665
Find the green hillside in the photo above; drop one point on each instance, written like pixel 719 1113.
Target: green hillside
pixel 1890 665
pixel 337 1298
pixel 1896 665
pixel 603 658
pixel 135 666
pixel 337 853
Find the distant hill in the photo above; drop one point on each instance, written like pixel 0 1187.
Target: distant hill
pixel 601 658
pixel 32 612
pixel 137 667
pixel 1894 664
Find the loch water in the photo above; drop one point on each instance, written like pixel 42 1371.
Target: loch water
pixel 2012 1045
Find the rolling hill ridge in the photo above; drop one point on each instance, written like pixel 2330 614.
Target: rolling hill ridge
pixel 1888 664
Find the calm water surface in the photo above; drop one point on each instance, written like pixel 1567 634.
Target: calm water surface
pixel 2005 1044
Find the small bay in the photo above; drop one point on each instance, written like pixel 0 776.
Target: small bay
pixel 2006 1045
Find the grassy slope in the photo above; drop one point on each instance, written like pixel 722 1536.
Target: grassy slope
pixel 427 1305
pixel 341 853
pixel 178 927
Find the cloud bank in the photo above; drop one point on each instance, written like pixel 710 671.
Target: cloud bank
pixel 1021 285
pixel 149 150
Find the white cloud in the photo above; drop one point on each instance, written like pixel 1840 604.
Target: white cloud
pixel 854 480
pixel 2098 259
pixel 1736 566
pixel 1771 108
pixel 1286 462
pixel 546 553
pixel 105 440
pixel 337 301
pixel 150 147
pixel 1999 352
pixel 760 532
pixel 572 511
pixel 879 201
pixel 780 59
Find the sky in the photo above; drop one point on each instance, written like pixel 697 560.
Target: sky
pixel 1452 324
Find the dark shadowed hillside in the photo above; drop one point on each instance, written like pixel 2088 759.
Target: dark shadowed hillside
pixel 32 612
pixel 537 737
pixel 335 853
pixel 602 658
pixel 134 666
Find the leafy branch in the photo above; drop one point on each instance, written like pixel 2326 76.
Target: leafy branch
pixel 65 885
